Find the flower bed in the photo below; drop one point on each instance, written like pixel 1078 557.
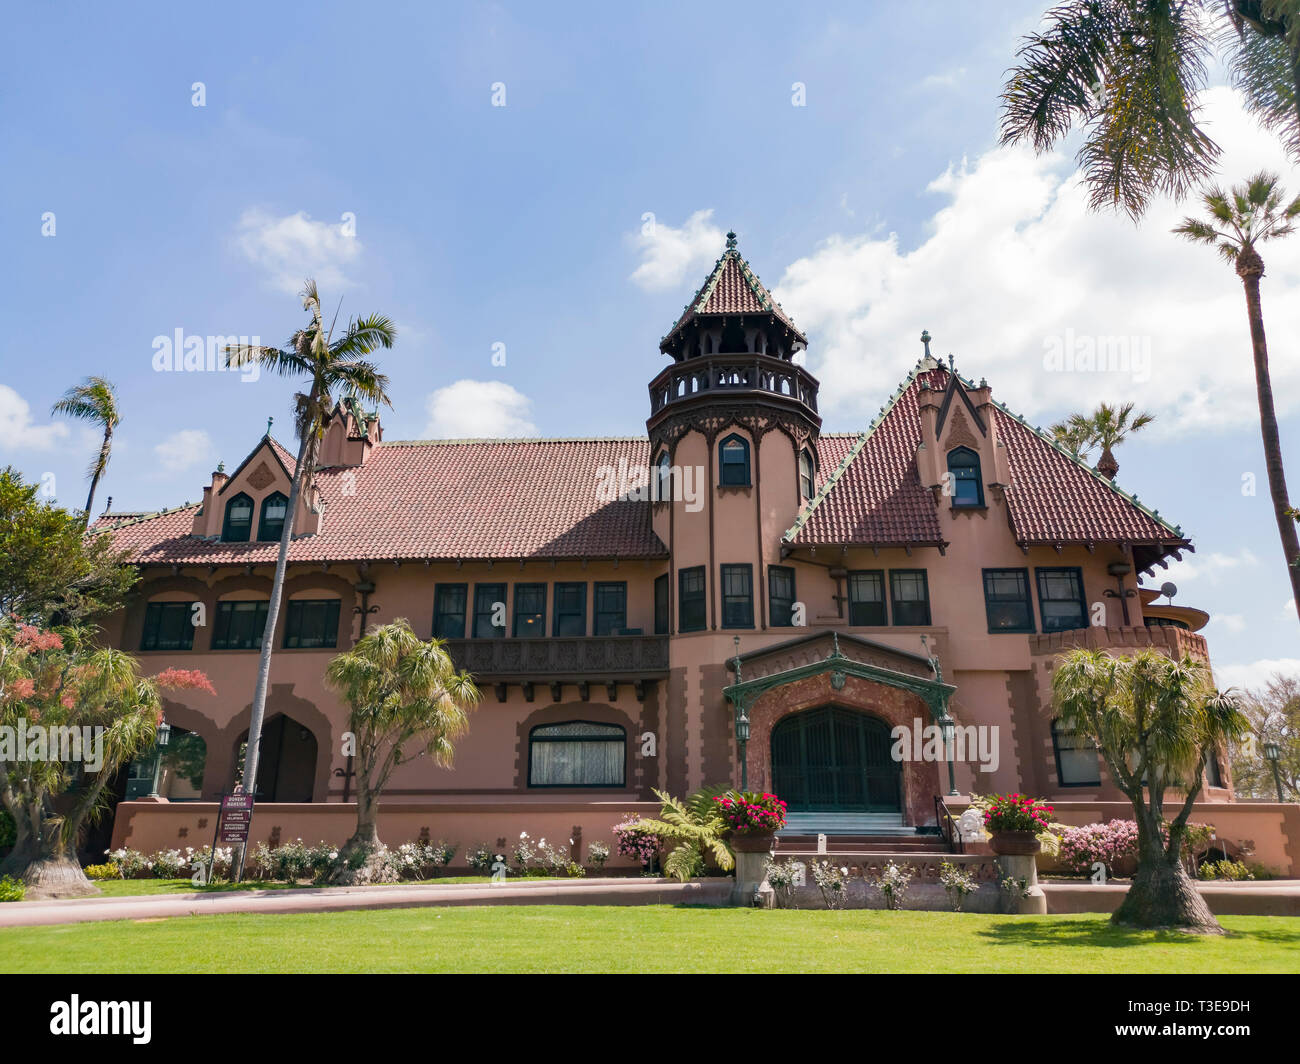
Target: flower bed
pixel 751 813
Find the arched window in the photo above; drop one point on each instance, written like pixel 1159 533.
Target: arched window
pixel 733 462
pixel 967 484
pixel 806 474
pixel 274 508
pixel 664 476
pixel 1076 758
pixel 239 520
pixel 578 753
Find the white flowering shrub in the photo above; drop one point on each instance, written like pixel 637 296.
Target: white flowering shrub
pixel 892 881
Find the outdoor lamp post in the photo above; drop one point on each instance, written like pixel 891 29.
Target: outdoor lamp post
pixel 160 747
pixel 1273 754
pixel 742 723
pixel 949 727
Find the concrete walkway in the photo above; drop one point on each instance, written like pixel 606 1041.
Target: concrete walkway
pixel 398 896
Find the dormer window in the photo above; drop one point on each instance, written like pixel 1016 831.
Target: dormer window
pixel 806 475
pixel 733 462
pixel 664 477
pixel 239 520
pixel 967 484
pixel 274 508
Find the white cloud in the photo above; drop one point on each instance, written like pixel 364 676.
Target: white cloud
pixel 1288 608
pixel 1212 567
pixel 945 80
pixel 1255 674
pixel 183 449
pixel 1014 262
pixel 18 432
pixel 670 257
pixel 292 248
pixel 1233 622
pixel 482 409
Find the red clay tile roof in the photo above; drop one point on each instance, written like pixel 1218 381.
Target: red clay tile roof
pixel 732 288
pixel 875 496
pixel 440 500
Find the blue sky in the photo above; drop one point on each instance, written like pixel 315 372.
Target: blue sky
pixel 878 206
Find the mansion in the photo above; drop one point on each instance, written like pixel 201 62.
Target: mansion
pixel 755 600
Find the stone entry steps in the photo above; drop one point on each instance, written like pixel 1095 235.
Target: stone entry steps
pixel 902 844
pixel 844 824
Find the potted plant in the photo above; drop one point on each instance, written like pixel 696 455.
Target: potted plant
pixel 753 819
pixel 1014 823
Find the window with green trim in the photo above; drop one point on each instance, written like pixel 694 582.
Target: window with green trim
pixel 909 593
pixel 530 611
pixel 486 599
pixel 733 462
pixel 1007 600
pixel 691 602
pixel 610 601
pixel 570 609
pixel 168 626
pixel 780 595
pixel 1060 599
pixel 311 623
pixel 737 596
pixel 867 598
pixel 270 526
pixel 449 610
pixel 238 525
pixel 1077 764
pixel 661 605
pixel 239 625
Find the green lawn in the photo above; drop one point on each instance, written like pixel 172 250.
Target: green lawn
pixel 116 888
pixel 653 938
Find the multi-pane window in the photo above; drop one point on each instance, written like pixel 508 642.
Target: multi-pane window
pixel 733 462
pixel 867 598
pixel 1060 599
pixel 691 599
pixel 168 626
pixel 780 595
pixel 1007 601
pixel 806 480
pixel 239 625
pixel 530 610
pixel 489 606
pixel 964 469
pixel 664 478
pixel 449 611
pixel 570 609
pixel 661 605
pixel 737 596
pixel 270 525
pixel 239 519
pixel 577 754
pixel 610 615
pixel 311 623
pixel 1076 758
pixel 909 595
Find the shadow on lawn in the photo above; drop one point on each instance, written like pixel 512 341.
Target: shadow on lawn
pixel 1105 935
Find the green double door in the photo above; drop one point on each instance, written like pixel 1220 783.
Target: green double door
pixel 835 760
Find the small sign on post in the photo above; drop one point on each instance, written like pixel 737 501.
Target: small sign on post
pixel 232 829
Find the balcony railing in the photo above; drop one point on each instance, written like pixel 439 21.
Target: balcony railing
pixel 1123 640
pixel 598 659
pixel 760 376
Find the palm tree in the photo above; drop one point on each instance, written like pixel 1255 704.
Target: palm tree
pixel 1131 73
pixel 1156 722
pixel 330 365
pixel 1075 435
pixel 401 691
pixel 93 400
pixel 1238 223
pixel 1106 427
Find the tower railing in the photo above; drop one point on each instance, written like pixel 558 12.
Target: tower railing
pixel 717 375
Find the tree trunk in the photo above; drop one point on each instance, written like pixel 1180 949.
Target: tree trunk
pixel 100 466
pixel 1250 268
pixel 356 861
pixel 1162 893
pixel 1106 465
pixel 47 867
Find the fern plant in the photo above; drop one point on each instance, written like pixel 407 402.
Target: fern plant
pixel 696 826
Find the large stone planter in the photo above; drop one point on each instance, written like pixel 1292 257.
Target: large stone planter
pixel 1015 843
pixel 752 853
pixel 743 843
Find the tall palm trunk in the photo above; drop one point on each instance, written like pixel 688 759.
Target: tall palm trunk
pixel 1250 268
pixel 100 466
pixel 1162 893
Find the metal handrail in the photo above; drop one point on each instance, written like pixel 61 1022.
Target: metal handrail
pixel 948 828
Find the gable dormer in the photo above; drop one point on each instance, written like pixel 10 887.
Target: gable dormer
pixel 250 505
pixel 960 457
pixel 350 434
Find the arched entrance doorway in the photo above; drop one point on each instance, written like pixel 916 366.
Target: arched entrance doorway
pixel 833 759
pixel 286 771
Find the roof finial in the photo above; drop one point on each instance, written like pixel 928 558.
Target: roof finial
pixel 268 425
pixel 731 240
pixel 952 363
pixel 221 467
pixel 925 339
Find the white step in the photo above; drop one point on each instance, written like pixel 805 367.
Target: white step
pixel 845 824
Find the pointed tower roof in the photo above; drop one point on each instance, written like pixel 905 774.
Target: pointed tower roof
pixel 732 289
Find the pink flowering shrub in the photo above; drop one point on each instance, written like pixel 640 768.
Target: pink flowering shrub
pixel 1110 843
pixel 635 842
